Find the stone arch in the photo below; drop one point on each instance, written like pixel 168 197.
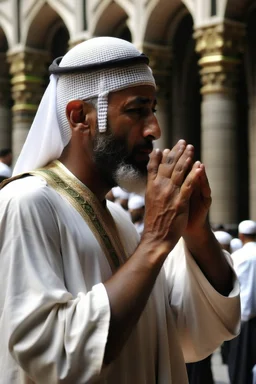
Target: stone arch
pixel 6 33
pixel 186 98
pixel 159 19
pixel 247 118
pixel 111 20
pixel 45 29
pixel 3 41
pixel 235 9
pixel 5 94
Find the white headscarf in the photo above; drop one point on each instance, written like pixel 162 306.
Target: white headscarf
pixel 50 131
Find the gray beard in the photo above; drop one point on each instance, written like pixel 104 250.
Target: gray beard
pixel 130 179
pixel 126 175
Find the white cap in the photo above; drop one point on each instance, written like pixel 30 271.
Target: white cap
pixel 235 244
pixel 119 193
pixel 223 237
pixel 136 202
pixel 247 227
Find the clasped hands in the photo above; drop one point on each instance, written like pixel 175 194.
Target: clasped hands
pixel 178 195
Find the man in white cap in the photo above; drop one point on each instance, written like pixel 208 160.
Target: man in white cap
pixel 82 299
pixel 136 208
pixel 224 238
pixel 120 197
pixel 242 350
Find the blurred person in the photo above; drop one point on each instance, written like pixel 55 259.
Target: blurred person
pixel 235 244
pixel 5 163
pixel 136 208
pixel 121 197
pixel 242 350
pixel 224 238
pixel 80 293
pixel 247 236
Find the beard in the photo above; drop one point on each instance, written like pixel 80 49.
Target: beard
pixel 118 165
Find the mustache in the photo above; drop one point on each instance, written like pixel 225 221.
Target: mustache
pixel 143 146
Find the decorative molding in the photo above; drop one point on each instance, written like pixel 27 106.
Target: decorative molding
pixel 220 47
pixel 28 70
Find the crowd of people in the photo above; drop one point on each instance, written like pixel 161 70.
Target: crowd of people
pixel 110 270
pixel 239 354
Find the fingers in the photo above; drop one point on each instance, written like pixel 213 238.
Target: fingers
pixel 170 158
pixel 204 183
pixel 172 164
pixel 192 179
pixel 176 163
pixel 183 166
pixel 153 164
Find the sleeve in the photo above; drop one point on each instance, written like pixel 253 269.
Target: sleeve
pixel 204 318
pixel 53 336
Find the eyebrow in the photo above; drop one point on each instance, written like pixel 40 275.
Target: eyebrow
pixel 141 100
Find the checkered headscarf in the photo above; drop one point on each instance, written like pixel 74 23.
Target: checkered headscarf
pixel 90 69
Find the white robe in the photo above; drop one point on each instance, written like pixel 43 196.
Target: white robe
pixel 245 268
pixel 55 311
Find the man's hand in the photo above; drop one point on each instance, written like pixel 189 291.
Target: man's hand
pixel 200 203
pixel 171 182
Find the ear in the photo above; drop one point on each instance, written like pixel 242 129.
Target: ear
pixel 75 112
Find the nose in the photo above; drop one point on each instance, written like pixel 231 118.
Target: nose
pixel 152 128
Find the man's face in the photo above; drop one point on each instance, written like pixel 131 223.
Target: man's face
pixel 122 153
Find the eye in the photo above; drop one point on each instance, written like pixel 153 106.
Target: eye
pixel 135 110
pixel 143 112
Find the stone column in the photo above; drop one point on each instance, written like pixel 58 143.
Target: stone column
pixel 29 74
pixel 160 62
pixel 5 105
pixel 220 47
pixel 252 157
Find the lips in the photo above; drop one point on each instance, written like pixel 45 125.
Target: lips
pixel 146 151
pixel 143 154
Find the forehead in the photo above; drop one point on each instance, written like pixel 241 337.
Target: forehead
pixel 139 94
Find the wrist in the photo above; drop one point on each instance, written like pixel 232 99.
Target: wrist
pixel 199 237
pixel 156 250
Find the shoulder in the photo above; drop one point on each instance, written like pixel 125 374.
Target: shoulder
pixel 27 192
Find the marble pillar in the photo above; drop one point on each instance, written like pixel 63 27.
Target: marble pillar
pixel 28 69
pixel 5 105
pixel 220 47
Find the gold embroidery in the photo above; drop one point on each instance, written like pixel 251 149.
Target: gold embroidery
pixel 85 202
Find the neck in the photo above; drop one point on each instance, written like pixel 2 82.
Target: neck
pixel 88 175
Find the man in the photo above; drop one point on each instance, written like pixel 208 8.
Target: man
pixel 82 300
pixel 5 163
pixel 224 238
pixel 242 350
pixel 136 208
pixel 121 197
pixel 235 244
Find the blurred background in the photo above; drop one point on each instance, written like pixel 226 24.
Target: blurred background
pixel 203 56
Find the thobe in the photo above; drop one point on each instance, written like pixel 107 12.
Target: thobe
pixel 242 350
pixel 55 311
